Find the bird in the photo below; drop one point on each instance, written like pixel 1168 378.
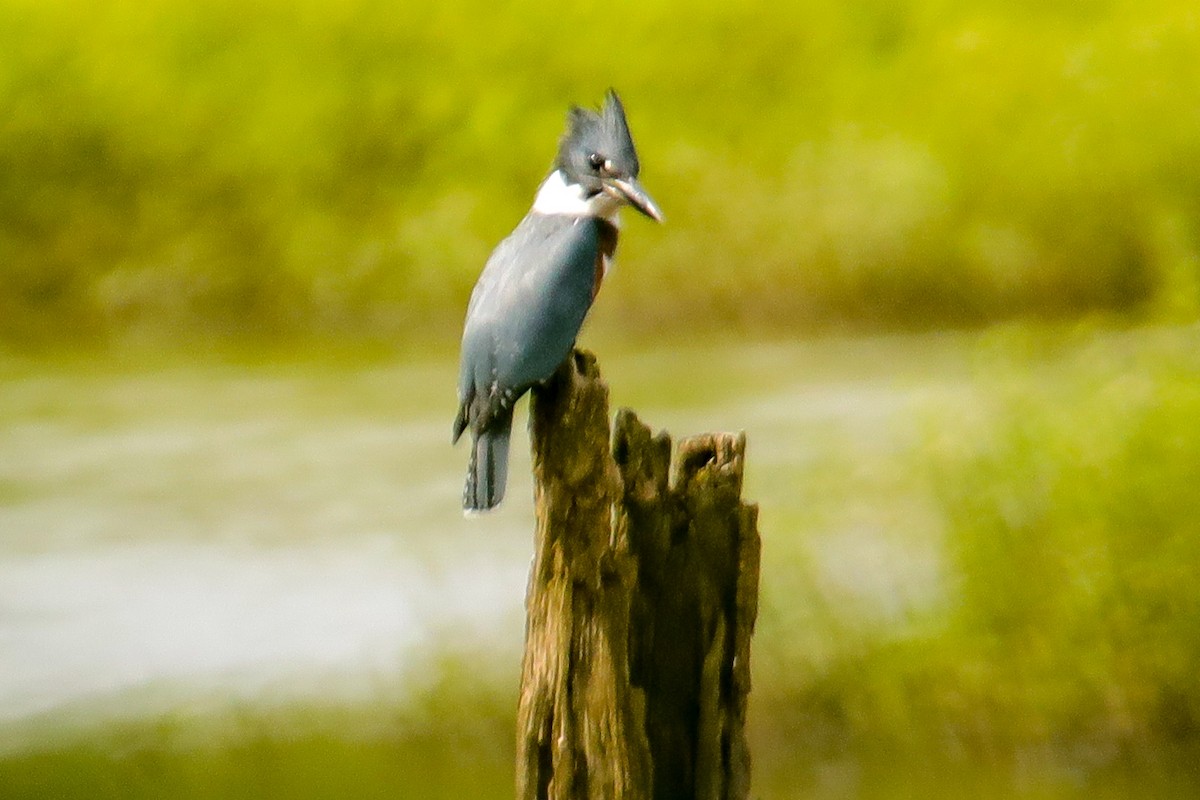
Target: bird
pixel 537 286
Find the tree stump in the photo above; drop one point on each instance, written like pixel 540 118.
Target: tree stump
pixel 641 603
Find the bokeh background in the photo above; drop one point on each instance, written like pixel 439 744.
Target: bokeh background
pixel 941 261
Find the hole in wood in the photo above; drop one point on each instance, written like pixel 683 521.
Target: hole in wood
pixel 621 451
pixel 699 459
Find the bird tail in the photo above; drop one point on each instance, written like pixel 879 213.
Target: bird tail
pixel 487 473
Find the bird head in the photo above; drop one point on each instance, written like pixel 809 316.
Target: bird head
pixel 597 153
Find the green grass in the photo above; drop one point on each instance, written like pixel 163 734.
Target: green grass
pixel 315 752
pixel 178 172
pixel 1059 628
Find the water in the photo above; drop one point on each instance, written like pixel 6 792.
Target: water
pixel 193 531
pixel 86 625
pixel 231 527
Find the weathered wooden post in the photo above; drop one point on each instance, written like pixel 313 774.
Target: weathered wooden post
pixel 641 603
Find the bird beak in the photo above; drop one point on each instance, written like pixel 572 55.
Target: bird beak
pixel 630 191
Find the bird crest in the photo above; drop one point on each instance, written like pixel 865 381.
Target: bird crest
pixel 593 138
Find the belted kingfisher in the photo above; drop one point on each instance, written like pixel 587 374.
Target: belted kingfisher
pixel 538 285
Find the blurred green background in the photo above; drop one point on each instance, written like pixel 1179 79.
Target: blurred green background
pixel 310 168
pixel 940 261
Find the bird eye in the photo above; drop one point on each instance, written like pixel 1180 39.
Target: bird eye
pixel 596 161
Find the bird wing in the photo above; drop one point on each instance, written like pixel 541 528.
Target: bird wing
pixel 529 304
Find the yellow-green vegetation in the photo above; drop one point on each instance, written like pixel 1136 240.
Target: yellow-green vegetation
pixel 174 169
pixel 313 753
pixel 1062 637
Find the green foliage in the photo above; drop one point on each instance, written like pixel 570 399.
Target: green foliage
pixel 230 168
pixel 1074 530
pixel 1067 634
pixel 301 752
